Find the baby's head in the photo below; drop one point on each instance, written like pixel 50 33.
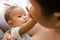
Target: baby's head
pixel 15 16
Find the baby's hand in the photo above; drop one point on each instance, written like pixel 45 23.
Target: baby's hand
pixel 13 39
pixel 7 36
pixel 28 12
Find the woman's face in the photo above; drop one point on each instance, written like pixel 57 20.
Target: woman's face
pixel 37 14
pixel 35 10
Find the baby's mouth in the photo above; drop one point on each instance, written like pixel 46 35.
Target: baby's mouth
pixel 25 21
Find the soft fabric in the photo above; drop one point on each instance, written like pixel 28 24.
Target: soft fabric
pixel 1 34
pixel 15 34
pixel 3 25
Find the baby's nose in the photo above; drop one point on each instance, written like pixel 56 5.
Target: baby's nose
pixel 24 18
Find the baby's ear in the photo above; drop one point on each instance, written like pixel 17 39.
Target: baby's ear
pixel 10 22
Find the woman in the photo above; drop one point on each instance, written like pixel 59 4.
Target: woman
pixel 46 13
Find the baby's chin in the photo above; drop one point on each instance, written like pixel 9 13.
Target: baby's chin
pixel 26 20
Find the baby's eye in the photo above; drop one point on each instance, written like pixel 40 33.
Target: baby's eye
pixel 20 16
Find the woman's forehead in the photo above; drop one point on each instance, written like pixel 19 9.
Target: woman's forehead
pixel 32 0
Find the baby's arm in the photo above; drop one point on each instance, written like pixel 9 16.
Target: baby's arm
pixel 26 27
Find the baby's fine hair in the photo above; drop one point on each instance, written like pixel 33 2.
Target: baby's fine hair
pixel 8 12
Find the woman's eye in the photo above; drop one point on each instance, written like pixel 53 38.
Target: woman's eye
pixel 20 16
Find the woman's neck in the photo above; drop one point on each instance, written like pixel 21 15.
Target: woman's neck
pixel 35 29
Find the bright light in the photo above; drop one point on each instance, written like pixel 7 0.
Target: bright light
pixel 21 3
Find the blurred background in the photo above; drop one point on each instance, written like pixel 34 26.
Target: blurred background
pixel 20 3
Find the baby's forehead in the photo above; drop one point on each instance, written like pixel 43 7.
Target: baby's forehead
pixel 18 11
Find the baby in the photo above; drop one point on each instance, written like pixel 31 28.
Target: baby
pixel 19 23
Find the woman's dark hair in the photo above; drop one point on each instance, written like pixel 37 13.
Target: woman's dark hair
pixel 49 6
